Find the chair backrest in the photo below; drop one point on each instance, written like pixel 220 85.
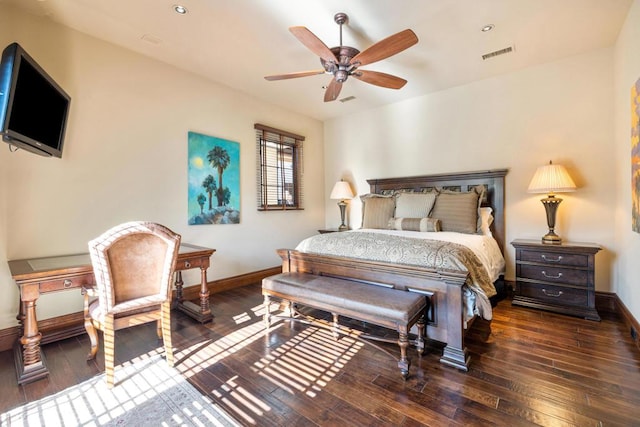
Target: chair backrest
pixel 134 260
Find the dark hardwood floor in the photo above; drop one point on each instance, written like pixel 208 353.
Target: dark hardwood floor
pixel 528 368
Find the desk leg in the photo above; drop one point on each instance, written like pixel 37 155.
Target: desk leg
pixel 29 359
pixel 204 294
pixel 179 284
pixel 201 313
pixel 20 318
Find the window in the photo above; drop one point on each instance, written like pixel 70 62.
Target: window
pixel 279 161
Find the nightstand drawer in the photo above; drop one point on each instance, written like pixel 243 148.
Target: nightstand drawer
pixel 548 273
pixel 554 294
pixel 555 258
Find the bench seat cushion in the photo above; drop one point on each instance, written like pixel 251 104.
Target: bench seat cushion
pixel 353 299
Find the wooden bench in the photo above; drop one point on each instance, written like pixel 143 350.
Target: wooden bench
pixel 378 305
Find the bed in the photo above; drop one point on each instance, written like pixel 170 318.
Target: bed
pixel 445 287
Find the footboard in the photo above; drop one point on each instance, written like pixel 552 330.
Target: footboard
pixel 443 290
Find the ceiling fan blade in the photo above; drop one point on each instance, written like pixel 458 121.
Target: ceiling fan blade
pixel 333 90
pixel 294 75
pixel 386 48
pixel 380 79
pixel 313 43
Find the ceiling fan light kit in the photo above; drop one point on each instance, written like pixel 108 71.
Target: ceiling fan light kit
pixel 344 61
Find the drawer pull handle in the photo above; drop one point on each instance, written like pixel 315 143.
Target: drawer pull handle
pixel 544 257
pixel 551 294
pixel 67 283
pixel 187 264
pixel 544 273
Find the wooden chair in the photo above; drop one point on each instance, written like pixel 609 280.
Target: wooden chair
pixel 133 265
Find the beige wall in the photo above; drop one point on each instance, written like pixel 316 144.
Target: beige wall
pixel 559 111
pixel 125 158
pixel 627 72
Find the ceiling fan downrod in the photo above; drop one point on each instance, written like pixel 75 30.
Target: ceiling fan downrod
pixel 342 69
pixel 341 18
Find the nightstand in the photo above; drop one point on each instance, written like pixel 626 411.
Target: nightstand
pixel 557 278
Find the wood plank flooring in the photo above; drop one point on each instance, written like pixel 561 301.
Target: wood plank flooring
pixel 528 367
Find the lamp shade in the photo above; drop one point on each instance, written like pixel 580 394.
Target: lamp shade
pixel 341 191
pixel 551 179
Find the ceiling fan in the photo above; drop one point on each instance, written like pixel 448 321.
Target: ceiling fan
pixel 344 61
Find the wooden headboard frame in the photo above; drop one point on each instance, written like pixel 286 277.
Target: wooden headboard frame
pixel 493 180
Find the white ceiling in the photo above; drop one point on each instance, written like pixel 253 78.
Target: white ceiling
pixel 238 42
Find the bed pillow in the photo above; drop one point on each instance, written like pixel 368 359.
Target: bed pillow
pixel 377 210
pixel 458 211
pixel 414 224
pixel 485 220
pixel 414 205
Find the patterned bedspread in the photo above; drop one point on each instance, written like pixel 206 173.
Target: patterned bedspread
pixel 433 254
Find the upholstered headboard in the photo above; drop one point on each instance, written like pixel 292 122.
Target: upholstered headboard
pixel 492 180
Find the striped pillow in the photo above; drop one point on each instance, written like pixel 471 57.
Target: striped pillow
pixel 458 211
pixel 377 210
pixel 414 224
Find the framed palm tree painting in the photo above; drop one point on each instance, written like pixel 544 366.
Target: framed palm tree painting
pixel 214 180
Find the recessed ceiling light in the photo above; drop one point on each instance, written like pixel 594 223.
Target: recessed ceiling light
pixel 487 27
pixel 180 9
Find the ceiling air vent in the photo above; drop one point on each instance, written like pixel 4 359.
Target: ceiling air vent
pixel 347 99
pixel 497 53
pixel 151 39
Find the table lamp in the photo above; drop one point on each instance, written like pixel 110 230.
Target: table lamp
pixel 551 179
pixel 341 191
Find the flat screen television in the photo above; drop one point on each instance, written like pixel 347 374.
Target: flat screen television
pixel 33 107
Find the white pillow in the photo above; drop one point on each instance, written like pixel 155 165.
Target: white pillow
pixel 485 219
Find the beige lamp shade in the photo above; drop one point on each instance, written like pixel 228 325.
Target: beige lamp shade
pixel 341 191
pixel 551 179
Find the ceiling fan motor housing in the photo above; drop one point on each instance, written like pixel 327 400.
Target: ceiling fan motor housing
pixel 342 69
pixel 341 75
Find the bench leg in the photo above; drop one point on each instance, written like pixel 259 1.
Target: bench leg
pixel 403 342
pixel 336 326
pixel 289 310
pixel 421 335
pixel 267 311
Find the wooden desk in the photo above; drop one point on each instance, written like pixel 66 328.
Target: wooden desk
pixel 51 274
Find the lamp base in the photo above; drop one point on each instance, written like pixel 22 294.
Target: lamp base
pixel 342 205
pixel 551 238
pixel 551 206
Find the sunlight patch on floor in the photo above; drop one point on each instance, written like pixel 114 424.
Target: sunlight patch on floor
pixel 304 363
pixel 146 392
pixel 309 360
pixel 203 354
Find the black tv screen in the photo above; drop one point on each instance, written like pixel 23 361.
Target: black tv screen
pixel 33 107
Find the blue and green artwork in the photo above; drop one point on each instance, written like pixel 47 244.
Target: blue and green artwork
pixel 214 180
